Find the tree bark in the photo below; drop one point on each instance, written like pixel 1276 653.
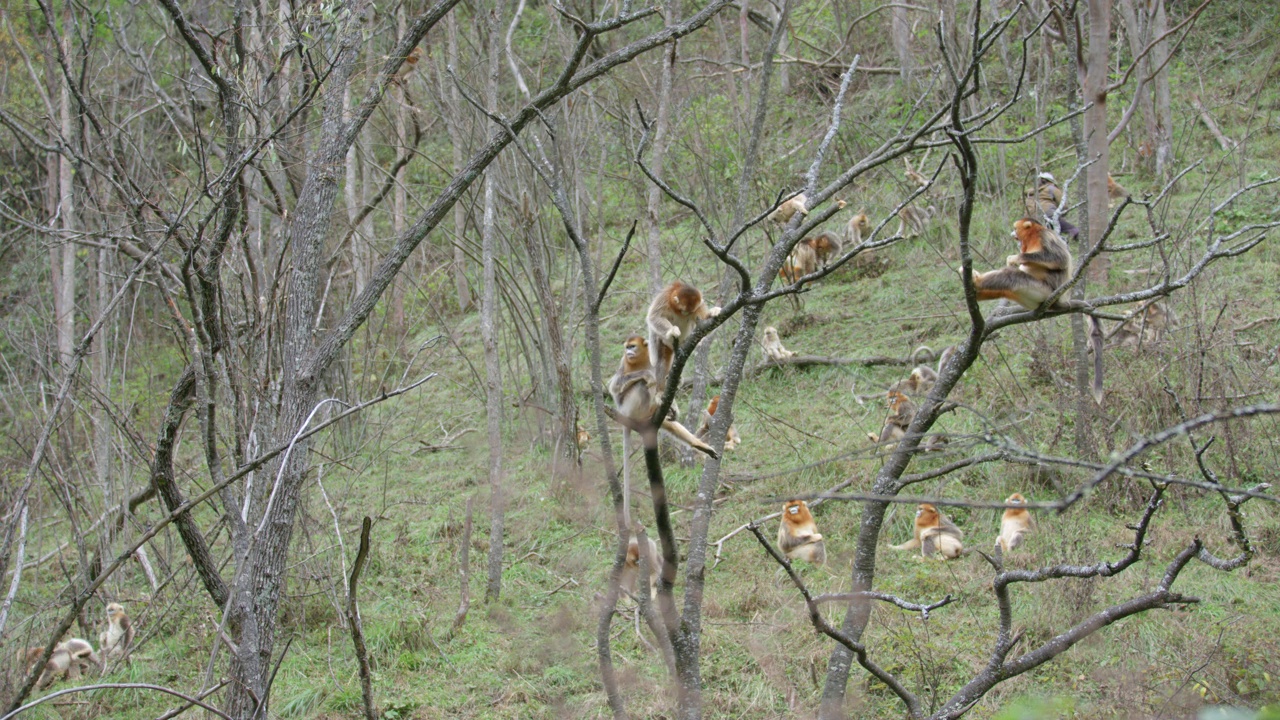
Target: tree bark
pixel 1139 34
pixel 653 203
pixel 260 574
pixel 1095 131
pixel 900 32
pixel 489 310
pixel 454 125
pixel 1158 57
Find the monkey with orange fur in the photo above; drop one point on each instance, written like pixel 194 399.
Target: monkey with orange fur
pixel 798 536
pixel 1029 277
pixel 637 395
pixel 901 412
pixel 674 312
pixel 802 261
pixel 631 568
pixel 1115 192
pixel 934 534
pixel 731 437
pixel 1014 524
pixel 784 212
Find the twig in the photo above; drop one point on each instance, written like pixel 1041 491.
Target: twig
pixel 186 706
pixel 353 621
pixel 820 623
pixel 19 558
pixel 1226 142
pixel 119 686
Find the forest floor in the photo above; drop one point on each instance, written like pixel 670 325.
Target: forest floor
pixel 412 463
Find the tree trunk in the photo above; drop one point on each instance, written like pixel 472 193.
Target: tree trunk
pixel 261 567
pixel 653 204
pixel 489 310
pixel 1095 131
pixel 453 123
pixel 900 32
pixel 399 195
pixel 1164 116
pixel 64 304
pixel 1137 21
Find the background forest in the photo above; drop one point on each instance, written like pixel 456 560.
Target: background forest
pixel 308 312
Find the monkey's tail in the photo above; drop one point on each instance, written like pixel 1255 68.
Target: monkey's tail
pixel 923 354
pixel 1095 340
pixel 688 438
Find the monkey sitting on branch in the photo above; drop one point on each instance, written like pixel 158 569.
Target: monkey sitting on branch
pixel 1032 275
pixel 637 396
pixel 673 314
pixel 934 535
pixel 794 204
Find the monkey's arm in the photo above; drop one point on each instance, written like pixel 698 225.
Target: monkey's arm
pixel 1046 260
pixel 659 325
pixel 705 312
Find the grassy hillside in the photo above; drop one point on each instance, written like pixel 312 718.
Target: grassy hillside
pixel 411 464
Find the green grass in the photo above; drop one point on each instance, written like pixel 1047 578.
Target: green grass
pixel 532 654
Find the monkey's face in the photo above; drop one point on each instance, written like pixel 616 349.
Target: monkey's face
pixel 635 346
pixel 1016 499
pixel 796 512
pixel 770 335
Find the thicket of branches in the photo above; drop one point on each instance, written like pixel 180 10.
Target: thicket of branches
pixel 253 202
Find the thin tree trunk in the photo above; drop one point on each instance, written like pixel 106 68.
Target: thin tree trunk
pixel 1083 426
pixel 453 123
pixel 653 203
pixel 399 196
pixel 1164 117
pixel 1095 130
pixel 900 32
pixel 488 331
pixel 64 307
pixel 349 189
pixel 1139 35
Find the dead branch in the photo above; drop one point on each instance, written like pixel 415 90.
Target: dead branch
pixel 1225 142
pixel 819 622
pixel 353 621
